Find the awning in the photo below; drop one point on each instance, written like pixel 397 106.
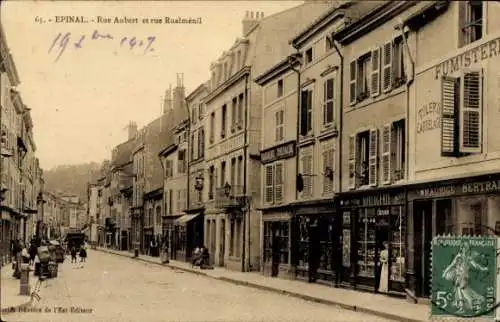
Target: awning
pixel 185 219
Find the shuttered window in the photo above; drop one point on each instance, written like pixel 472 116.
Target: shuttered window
pixel 307 175
pixel 372 161
pixel 279 119
pixel 328 101
pixel 386 153
pixel 471 112
pixel 387 66
pixel 328 162
pixel 279 182
pixel 352 161
pixel 461 114
pixel 375 74
pixel 168 168
pixel 269 186
pixel 352 82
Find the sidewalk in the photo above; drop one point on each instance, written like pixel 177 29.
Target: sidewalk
pixel 10 288
pixel 375 304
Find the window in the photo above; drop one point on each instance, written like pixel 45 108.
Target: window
pixel 179 200
pixel 470 21
pixel 222 173
pixel 201 143
pixel 191 148
pixel 363 158
pixel 212 127
pixel 306 112
pixel 308 56
pixel 279 182
pixel 328 43
pixel 234 114
pixel 461 114
pixel 279 118
pixel 279 88
pixel 398 67
pixel 223 121
pixel 393 152
pixel 307 163
pixel 363 83
pixel 240 111
pixel 200 111
pixel 169 171
pixel 328 163
pixel 171 201
pixel 158 215
pixel 233 171
pixel 211 182
pixel 328 101
pixel 181 161
pixel 193 116
pixel 239 171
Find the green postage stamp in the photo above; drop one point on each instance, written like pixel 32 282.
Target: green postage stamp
pixel 464 276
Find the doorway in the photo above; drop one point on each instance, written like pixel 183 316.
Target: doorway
pixel 422 223
pixel 222 245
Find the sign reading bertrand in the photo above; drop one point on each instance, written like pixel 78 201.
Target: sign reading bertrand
pixel 282 151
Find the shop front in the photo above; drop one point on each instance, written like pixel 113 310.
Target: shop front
pixel 276 243
pixel 188 234
pixel 465 206
pixel 373 224
pixel 313 233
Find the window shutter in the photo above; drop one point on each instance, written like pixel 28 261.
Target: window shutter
pixel 278 182
pixel 387 67
pixel 303 113
pixel 375 75
pixel 471 112
pixel 352 161
pixel 309 108
pixel 327 163
pixel 269 178
pixel 352 83
pixel 372 161
pixel 386 154
pixel 449 87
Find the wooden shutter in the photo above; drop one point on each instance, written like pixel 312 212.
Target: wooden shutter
pixel 449 87
pixel 471 112
pixel 387 67
pixel 309 108
pixel 279 179
pixel 352 161
pixel 352 82
pixel 328 163
pixel 386 154
pixel 372 161
pixel 375 75
pixel 269 180
pixel 303 113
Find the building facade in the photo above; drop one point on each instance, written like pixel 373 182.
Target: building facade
pixel 453 141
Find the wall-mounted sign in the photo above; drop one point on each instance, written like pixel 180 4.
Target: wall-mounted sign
pixel 469 188
pixel 467 58
pixel 282 151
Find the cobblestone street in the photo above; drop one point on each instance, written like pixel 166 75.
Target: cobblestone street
pixel 116 288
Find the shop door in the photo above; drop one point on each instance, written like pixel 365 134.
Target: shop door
pixel 422 214
pixel 222 245
pixel 314 250
pixel 275 250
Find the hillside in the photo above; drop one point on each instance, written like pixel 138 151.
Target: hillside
pixel 71 178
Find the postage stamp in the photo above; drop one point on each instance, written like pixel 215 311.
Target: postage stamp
pixel 464 277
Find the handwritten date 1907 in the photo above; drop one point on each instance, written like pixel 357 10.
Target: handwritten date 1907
pixel 63 40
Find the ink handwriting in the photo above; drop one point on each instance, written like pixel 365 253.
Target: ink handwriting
pixel 63 40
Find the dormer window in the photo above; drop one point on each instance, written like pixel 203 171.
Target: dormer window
pixel 308 56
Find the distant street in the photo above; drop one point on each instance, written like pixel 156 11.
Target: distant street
pixel 116 288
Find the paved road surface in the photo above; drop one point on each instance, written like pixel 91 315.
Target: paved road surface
pixel 116 288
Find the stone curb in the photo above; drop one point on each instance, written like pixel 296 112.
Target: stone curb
pixel 280 291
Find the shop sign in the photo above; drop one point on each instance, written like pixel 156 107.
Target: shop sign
pixel 452 190
pixel 464 276
pixel 380 199
pixel 282 151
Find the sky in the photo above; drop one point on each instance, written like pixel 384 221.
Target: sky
pixel 82 99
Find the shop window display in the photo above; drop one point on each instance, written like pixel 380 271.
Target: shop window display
pixel 267 242
pixel 366 243
pixel 303 255
pixel 398 250
pixel 326 245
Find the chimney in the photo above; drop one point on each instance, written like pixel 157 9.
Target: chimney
pixel 251 19
pixel 132 130
pixel 167 102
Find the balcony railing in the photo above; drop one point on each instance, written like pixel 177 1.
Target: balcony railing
pixel 229 196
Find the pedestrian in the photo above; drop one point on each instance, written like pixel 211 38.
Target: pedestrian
pixel 32 253
pixel 73 255
pixel 25 255
pixel 18 247
pixel 83 254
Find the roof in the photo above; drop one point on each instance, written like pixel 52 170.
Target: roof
pixel 277 70
pixel 122 153
pixel 198 90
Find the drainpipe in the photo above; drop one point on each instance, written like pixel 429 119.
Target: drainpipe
pixel 409 81
pixel 341 116
pixel 246 205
